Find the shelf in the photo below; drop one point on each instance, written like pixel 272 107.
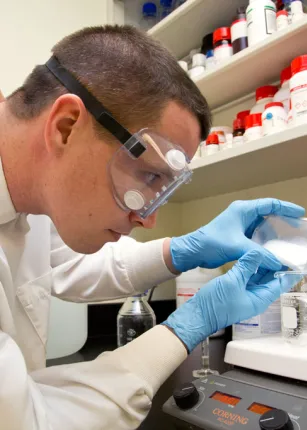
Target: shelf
pixel 184 28
pixel 256 66
pixel 271 159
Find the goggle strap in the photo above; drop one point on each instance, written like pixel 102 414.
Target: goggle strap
pixel 94 106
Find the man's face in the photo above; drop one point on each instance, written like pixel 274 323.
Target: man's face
pixel 78 192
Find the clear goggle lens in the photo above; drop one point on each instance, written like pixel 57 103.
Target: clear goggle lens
pixel 145 183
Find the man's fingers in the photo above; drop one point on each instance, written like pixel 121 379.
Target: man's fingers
pixel 267 207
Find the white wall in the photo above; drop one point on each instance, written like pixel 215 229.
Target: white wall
pixel 30 28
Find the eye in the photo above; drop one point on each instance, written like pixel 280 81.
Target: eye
pixel 151 178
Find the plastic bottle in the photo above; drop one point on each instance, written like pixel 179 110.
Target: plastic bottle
pixel 261 20
pixel 212 145
pixel 183 65
pixel 198 60
pixel 242 115
pixel 134 318
pixel 149 16
pixel 283 94
pixel 298 89
pixel 166 8
pixel 179 3
pixel 253 127
pixel 274 118
pixel 264 95
pixel 222 44
pixel 190 282
pixel 265 324
pixel 239 31
pixel 238 132
pixel 290 121
pixel 282 20
pixel 207 43
pixel 210 60
pixel 297 11
pixel 196 72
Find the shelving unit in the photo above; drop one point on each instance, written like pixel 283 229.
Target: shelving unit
pixel 271 159
pixel 267 59
pixel 184 28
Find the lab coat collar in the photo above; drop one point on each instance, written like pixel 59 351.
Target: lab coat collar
pixel 7 210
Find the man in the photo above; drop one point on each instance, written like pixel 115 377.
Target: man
pixel 72 152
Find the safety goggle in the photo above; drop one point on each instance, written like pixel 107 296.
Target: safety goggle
pixel 147 169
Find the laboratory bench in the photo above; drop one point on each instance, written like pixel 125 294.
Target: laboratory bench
pixel 97 344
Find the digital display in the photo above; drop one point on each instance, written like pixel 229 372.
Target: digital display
pixel 260 409
pixel 225 398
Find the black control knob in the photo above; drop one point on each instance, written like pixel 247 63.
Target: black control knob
pixel 276 419
pixel 186 396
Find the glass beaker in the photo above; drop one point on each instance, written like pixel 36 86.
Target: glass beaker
pixel 293 306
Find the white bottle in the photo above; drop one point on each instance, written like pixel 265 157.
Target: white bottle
pixel 261 20
pixel 265 324
pixel 283 94
pixel 196 72
pixel 274 118
pixel 212 145
pixel 253 127
pixel 198 60
pixel 183 65
pixel 298 89
pixel 264 95
pixel 190 282
pixel 297 11
pixel 282 20
pixel 290 121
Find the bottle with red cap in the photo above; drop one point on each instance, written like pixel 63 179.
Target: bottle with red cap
pixel 283 94
pixel 253 127
pixel 238 132
pixel 264 95
pixel 274 118
pixel 211 144
pixel 282 20
pixel 298 90
pixel 222 44
pixel 242 115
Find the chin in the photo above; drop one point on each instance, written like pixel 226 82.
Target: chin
pixel 87 246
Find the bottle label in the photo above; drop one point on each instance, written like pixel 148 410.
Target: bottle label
pixel 270 19
pixel 238 29
pixel 274 121
pixel 184 294
pixel 270 320
pixel 299 99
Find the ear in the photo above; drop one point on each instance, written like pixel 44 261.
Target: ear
pixel 68 117
pixel 2 99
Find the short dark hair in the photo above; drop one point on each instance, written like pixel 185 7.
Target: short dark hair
pixel 133 75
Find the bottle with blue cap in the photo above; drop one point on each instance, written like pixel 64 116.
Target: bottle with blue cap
pixel 166 8
pixel 134 318
pixel 149 12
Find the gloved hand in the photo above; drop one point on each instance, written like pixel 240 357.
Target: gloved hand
pixel 236 296
pixel 227 237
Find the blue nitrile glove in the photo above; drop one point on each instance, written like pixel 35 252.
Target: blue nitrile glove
pixel 227 237
pixel 236 296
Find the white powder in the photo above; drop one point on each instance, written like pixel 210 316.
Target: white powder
pixel 291 253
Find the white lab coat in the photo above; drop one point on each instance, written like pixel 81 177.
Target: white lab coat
pixel 115 390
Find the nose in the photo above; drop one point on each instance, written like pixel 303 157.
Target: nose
pixel 148 222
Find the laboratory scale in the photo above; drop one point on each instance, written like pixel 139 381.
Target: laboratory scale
pixel 250 398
